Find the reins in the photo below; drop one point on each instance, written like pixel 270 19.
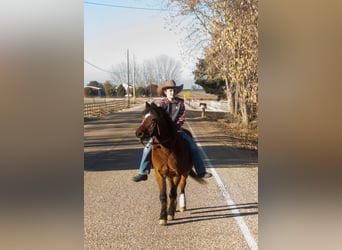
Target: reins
pixel 162 142
pixel 156 143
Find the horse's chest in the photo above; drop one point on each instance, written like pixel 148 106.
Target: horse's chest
pixel 165 170
pixel 164 163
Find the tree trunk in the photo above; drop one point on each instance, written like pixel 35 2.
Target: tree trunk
pixel 236 99
pixel 244 116
pixel 243 105
pixel 229 94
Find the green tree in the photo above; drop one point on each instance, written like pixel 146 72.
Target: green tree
pixel 214 86
pixel 121 91
pixel 140 91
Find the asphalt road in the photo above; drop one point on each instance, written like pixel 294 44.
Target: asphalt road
pixel 122 214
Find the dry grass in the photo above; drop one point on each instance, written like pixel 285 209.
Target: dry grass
pixel 246 138
pixel 242 137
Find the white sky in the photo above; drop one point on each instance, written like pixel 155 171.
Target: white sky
pixel 110 31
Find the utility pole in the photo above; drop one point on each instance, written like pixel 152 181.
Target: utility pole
pixel 128 78
pixel 150 90
pixel 133 79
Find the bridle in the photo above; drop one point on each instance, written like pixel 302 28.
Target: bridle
pixel 155 126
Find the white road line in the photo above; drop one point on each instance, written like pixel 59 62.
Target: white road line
pixel 245 231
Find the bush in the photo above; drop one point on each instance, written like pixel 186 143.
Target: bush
pixel 121 91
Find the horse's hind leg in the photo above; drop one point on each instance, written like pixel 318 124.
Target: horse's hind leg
pixel 182 201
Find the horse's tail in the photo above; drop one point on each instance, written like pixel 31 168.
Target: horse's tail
pixel 196 178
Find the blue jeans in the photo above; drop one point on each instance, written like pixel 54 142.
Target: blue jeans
pixel 146 159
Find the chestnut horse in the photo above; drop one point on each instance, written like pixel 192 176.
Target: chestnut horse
pixel 171 158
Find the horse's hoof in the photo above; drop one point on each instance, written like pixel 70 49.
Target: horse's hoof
pixel 162 222
pixel 182 209
pixel 169 217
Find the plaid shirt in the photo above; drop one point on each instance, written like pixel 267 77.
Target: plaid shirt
pixel 175 108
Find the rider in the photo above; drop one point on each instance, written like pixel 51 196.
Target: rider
pixel 176 109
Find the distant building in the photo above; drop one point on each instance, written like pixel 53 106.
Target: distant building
pixel 95 91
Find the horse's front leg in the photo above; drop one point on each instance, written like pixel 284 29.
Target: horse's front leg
pixel 173 197
pixel 162 197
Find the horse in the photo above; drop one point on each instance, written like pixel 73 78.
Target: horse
pixel 171 158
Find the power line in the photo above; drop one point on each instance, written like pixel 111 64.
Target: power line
pixel 86 61
pixel 126 7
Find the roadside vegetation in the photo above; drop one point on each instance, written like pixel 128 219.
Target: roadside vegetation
pixel 226 34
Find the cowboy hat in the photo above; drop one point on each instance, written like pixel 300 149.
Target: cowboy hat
pixel 169 84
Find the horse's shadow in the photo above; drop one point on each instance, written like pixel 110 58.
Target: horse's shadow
pixel 215 212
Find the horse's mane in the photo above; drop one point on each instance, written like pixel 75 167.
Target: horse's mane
pixel 162 112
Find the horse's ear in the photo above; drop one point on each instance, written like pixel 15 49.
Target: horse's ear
pixel 147 105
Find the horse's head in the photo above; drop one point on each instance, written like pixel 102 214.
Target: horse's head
pixel 148 126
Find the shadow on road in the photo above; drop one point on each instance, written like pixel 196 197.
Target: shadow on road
pixel 219 208
pixel 125 159
pixel 128 158
pixel 110 144
pixel 215 212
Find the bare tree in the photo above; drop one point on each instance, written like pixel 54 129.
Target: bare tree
pixel 166 68
pixel 193 18
pixel 152 71
pixel 119 73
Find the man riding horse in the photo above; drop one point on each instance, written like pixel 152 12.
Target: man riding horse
pixel 175 107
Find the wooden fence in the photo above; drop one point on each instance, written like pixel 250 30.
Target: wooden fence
pixel 97 109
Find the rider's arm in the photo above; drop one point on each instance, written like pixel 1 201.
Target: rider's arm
pixel 181 114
